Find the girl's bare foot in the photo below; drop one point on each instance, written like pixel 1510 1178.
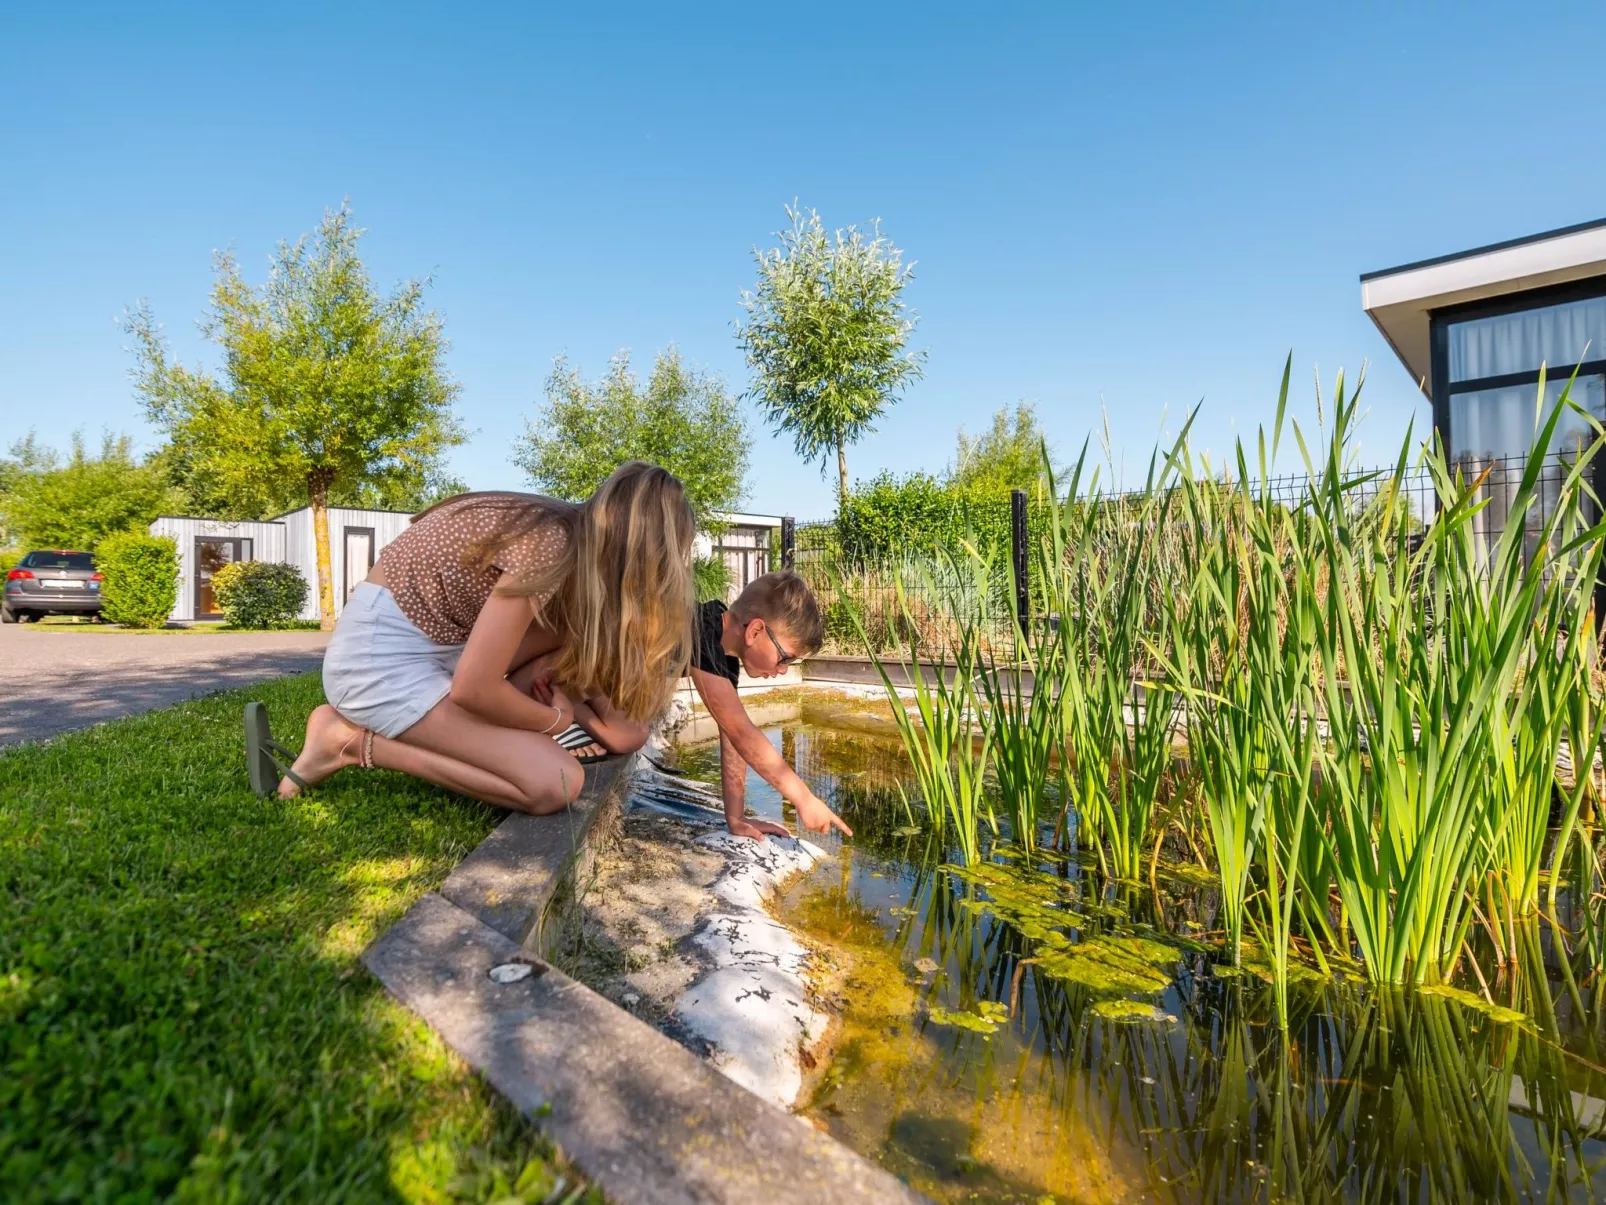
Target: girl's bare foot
pixel 331 745
pixel 591 750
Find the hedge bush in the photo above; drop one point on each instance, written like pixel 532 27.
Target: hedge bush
pixel 260 594
pixel 889 517
pixel 141 578
pixel 9 558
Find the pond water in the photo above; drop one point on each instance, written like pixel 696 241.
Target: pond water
pixel 1019 1033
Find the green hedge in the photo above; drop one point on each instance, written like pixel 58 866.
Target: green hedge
pixel 141 578
pixel 890 517
pixel 260 594
pixel 9 558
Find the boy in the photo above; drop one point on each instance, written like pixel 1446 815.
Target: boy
pixel 774 622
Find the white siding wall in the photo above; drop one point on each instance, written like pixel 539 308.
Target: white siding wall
pixel 302 550
pixel 267 544
pixel 287 539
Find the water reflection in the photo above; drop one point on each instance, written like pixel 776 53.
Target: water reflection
pixel 1369 1096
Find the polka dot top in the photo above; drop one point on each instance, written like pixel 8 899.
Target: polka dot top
pixel 442 596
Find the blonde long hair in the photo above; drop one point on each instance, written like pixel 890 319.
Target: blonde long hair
pixel 622 591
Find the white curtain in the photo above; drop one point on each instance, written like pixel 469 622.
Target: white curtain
pixel 1559 336
pixel 1490 423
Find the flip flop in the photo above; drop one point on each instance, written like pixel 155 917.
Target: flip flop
pixel 265 758
pixel 575 737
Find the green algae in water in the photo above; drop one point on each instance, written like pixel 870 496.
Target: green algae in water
pixel 1109 965
pixel 989 1015
pixel 1129 1012
pixel 1029 901
pixel 1504 1016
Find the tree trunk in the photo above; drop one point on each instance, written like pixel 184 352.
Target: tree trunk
pixel 842 479
pixel 318 495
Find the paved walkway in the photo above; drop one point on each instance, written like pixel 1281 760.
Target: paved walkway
pixel 55 681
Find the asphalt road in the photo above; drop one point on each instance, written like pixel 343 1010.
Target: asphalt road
pixel 56 681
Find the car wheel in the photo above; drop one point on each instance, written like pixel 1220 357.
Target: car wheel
pixel 7 615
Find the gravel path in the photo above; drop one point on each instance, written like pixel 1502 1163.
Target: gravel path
pixel 55 681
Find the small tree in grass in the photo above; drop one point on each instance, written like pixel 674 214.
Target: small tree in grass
pixel 826 336
pixel 141 578
pixel 325 386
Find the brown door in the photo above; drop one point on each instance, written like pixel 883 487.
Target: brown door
pixel 211 554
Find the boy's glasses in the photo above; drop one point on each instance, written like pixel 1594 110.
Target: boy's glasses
pixel 782 657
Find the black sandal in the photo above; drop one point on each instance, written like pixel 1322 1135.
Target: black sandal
pixel 267 760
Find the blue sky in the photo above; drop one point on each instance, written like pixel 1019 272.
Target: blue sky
pixel 1128 207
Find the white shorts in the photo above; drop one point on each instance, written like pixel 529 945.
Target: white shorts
pixel 379 670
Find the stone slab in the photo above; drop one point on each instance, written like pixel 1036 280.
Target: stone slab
pixel 512 875
pixel 642 1116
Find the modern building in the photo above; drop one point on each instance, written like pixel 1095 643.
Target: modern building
pixel 356 538
pixel 1475 328
pixel 748 544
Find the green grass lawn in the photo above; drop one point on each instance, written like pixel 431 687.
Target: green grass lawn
pixel 182 1013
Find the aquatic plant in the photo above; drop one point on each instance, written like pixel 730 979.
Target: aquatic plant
pixel 1116 718
pixel 1441 646
pixel 948 753
pixel 1022 712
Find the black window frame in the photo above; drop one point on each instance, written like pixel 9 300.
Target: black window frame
pixel 244 550
pixel 345 548
pixel 1441 320
pixel 1439 323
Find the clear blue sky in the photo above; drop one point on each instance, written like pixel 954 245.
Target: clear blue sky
pixel 1144 205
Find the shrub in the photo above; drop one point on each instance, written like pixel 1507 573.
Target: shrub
pixel 260 594
pixel 711 577
pixel 141 578
pixel 890 517
pixel 9 558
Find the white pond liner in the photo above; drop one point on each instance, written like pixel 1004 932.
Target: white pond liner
pixel 753 1006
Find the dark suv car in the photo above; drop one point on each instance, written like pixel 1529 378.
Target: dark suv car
pixel 51 583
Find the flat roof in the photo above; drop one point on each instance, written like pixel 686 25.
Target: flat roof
pixel 1510 242
pixel 1401 301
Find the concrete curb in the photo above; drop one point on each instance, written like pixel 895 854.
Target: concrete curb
pixel 641 1115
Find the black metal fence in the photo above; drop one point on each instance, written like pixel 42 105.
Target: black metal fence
pixel 888 589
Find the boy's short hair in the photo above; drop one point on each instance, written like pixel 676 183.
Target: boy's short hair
pixel 783 600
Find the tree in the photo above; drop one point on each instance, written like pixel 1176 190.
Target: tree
pixel 826 335
pixel 26 457
pixel 684 420
pixel 326 386
pixel 1008 456
pixel 77 502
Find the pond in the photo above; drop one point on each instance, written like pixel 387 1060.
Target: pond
pixel 1020 1032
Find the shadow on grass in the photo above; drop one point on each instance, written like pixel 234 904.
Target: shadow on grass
pixel 182 1013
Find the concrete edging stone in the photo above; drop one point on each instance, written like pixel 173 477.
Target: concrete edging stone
pixel 642 1116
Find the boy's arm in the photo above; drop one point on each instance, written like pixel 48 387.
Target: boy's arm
pixel 725 705
pixel 733 789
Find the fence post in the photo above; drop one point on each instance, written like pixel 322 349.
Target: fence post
pixel 1017 540
pixel 788 542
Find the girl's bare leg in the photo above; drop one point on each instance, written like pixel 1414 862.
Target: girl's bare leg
pixel 454 749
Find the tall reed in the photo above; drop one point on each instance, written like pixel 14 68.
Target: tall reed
pixel 1116 715
pixel 947 752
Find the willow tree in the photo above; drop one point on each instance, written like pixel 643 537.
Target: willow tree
pixel 826 336
pixel 325 385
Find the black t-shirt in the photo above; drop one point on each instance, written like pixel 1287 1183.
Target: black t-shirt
pixel 709 656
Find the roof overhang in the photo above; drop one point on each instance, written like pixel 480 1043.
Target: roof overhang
pixel 1400 300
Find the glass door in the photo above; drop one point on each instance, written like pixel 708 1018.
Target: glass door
pixel 359 556
pixel 211 554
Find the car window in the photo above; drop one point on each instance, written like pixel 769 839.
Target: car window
pixel 57 560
